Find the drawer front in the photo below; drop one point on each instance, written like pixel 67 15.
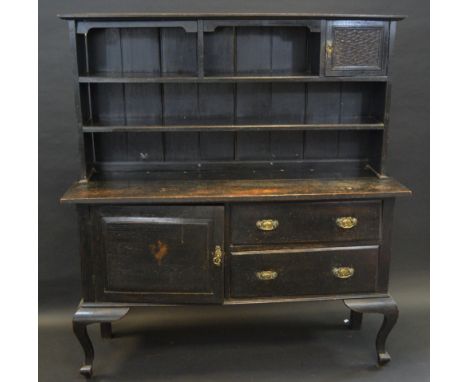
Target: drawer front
pixel 356 48
pixel 302 272
pixel 277 223
pixel 160 254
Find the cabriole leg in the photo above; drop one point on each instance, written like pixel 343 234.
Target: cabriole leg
pixel 355 320
pixel 106 330
pixel 386 306
pixel 85 316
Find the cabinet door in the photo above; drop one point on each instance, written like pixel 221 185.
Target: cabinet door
pixel 356 48
pixel 163 254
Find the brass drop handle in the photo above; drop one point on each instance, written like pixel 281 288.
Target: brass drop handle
pixel 329 49
pixel 267 224
pixel 343 272
pixel 267 275
pixel 218 256
pixel 346 222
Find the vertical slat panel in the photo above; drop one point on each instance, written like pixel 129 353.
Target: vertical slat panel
pixel 253 145
pixel 143 104
pixel 108 104
pixel 355 102
pixel 200 49
pixel 145 147
pixel 323 103
pixel 216 103
pixel 217 145
pixel 321 144
pixel 110 147
pixel 140 50
pixel 179 52
pixel 180 104
pixel 253 103
pixel 182 146
pixel 219 52
pixel 356 144
pixel 287 103
pixel 289 48
pixel 253 50
pixel 286 145
pixel 104 50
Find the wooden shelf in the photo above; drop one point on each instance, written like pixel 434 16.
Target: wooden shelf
pixel 228 190
pixel 223 15
pixel 152 78
pixel 253 127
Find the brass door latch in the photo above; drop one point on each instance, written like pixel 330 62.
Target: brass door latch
pixel 218 256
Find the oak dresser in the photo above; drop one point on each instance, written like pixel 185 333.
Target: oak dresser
pixel 232 159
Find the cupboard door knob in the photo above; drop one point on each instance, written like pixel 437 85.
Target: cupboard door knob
pixel 343 272
pixel 218 256
pixel 267 275
pixel 329 48
pixel 267 224
pixel 346 222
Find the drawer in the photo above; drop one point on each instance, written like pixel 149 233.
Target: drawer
pixel 301 272
pixel 167 254
pixel 277 223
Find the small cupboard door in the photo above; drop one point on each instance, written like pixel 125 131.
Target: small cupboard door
pixel 164 254
pixel 356 48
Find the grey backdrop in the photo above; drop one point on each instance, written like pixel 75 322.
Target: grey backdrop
pixel 408 159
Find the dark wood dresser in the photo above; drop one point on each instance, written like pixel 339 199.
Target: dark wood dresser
pixel 232 159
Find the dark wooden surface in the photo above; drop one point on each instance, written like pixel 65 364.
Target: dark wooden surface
pixel 194 126
pixel 157 254
pixel 303 271
pixel 305 222
pixel 213 191
pixel 389 309
pixel 229 15
pixel 357 48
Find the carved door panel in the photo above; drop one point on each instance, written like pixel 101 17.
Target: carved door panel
pixel 167 254
pixel 356 48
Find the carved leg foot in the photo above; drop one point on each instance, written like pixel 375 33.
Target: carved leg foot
pixel 386 306
pixel 106 330
pixel 355 320
pixel 86 316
